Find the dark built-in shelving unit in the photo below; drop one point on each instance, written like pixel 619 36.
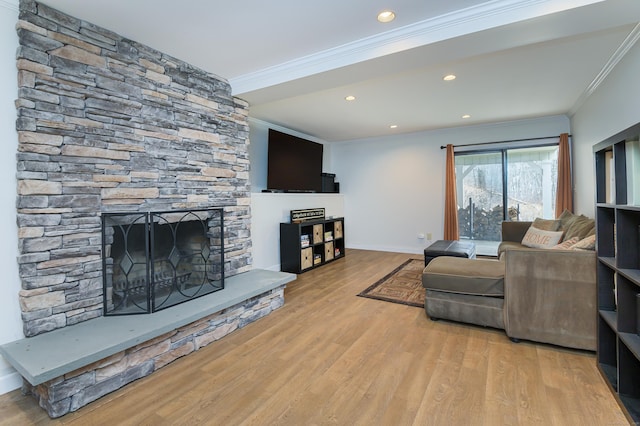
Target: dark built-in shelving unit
pixel 618 246
pixel 307 245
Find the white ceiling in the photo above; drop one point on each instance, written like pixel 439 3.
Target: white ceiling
pixel 295 61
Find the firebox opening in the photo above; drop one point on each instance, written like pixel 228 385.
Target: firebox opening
pixel 155 260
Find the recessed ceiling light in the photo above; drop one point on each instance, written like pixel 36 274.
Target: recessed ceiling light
pixel 466 116
pixel 350 98
pixel 386 16
pixel 449 77
pixel 393 126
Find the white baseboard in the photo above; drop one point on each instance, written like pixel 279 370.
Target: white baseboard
pixel 409 250
pixel 10 382
pixel 275 268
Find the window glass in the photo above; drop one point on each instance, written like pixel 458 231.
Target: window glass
pixel 528 177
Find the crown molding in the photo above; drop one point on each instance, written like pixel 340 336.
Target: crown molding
pixel 13 6
pixel 617 56
pixel 465 21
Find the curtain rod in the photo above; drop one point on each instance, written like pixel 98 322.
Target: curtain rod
pixel 509 141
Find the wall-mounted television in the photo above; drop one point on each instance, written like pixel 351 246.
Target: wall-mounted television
pixel 294 164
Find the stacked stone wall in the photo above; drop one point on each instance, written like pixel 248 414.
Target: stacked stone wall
pixel 106 124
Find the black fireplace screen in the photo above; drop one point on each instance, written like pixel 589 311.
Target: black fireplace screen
pixel 154 260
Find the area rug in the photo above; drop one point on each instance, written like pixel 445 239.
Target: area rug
pixel 402 285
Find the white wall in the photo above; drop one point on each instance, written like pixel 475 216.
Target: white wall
pixel 11 328
pixel 613 107
pixel 394 186
pixel 269 210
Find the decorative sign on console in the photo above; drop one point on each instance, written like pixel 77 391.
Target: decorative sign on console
pixel 305 215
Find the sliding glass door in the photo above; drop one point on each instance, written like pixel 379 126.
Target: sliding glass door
pixel 532 176
pixel 514 184
pixel 480 189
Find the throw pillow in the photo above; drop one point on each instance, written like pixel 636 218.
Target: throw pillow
pixel 581 227
pixel 588 243
pixel 565 219
pixel 566 245
pixel 546 224
pixel 538 238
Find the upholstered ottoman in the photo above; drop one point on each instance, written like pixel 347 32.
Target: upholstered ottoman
pixel 449 248
pixel 466 290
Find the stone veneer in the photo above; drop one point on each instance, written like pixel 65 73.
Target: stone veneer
pixel 72 391
pixel 106 124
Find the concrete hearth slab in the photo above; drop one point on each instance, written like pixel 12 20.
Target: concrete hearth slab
pixel 53 354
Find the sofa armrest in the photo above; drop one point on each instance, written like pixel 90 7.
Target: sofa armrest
pixel 550 297
pixel 514 231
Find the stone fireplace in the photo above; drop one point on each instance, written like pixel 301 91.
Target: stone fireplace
pixel 108 125
pixel 133 196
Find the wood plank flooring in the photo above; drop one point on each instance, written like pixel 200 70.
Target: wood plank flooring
pixel 331 358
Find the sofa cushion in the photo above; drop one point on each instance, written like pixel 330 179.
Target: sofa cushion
pixel 509 245
pixel 478 277
pixel 538 238
pixel 485 311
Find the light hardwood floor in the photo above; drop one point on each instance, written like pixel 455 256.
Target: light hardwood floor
pixel 329 357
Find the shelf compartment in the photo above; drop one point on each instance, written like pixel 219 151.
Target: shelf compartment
pixel 317 255
pixel 611 318
pixel 628 239
pixel 306 258
pixel 632 275
pixel 628 294
pixel 634 208
pixel 620 170
pixel 338 248
pixel 607 340
pixel 604 175
pixel 329 254
pixel 632 406
pixel 628 386
pixel 606 287
pixel 632 342
pixel 610 373
pixel 609 261
pixel 337 229
pixel 605 231
pixel 318 232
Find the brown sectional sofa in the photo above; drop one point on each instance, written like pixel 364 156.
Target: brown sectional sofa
pixel 547 295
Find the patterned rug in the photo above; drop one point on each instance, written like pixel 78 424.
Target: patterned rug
pixel 402 285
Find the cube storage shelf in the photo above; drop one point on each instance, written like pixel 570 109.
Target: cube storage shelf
pixel 618 243
pixel 307 245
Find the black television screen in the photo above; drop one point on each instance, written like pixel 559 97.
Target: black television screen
pixel 294 164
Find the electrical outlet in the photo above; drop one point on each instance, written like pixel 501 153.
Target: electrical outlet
pixel 429 236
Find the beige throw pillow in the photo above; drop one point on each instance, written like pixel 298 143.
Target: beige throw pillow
pixel 538 238
pixel 588 243
pixel 565 219
pixel 566 245
pixel 546 224
pixel 581 227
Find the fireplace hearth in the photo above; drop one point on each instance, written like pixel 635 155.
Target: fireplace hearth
pixel 155 260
